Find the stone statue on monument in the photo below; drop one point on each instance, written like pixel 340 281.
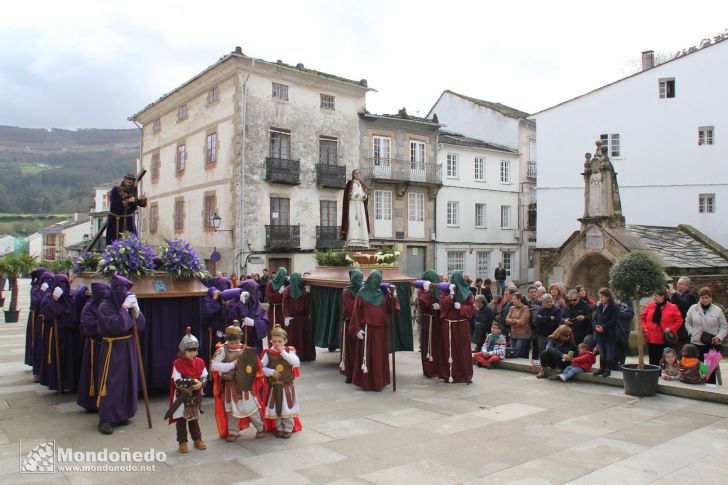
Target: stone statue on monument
pixel 355 215
pixel 601 190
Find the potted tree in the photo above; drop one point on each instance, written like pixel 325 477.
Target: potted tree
pixel 634 276
pixel 13 266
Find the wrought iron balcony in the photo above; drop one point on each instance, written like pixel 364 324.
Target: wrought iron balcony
pixel 531 217
pixel 333 176
pixel 531 169
pixel 328 237
pixel 378 168
pixel 282 171
pixel 282 237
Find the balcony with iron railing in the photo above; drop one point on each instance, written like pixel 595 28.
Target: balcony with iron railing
pixel 332 176
pixel 395 170
pixel 282 171
pixel 328 237
pixel 282 237
pixel 531 169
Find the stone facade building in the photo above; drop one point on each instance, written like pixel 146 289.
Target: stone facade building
pixel 264 146
pixel 399 166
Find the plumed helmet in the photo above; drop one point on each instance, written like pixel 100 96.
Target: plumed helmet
pixel 189 341
pixel 278 331
pixel 234 329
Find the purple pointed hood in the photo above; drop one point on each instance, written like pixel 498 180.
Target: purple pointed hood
pixel 46 277
pixel 99 290
pixel 221 283
pixel 251 287
pixel 36 274
pixel 61 281
pixel 120 287
pixel 211 290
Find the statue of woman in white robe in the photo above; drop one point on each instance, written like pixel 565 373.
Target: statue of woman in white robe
pixel 355 217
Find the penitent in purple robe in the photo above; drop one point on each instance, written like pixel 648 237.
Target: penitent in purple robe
pixel 63 315
pixel 213 324
pixel 88 381
pixel 41 335
pixel 237 310
pixel 119 373
pixel 36 295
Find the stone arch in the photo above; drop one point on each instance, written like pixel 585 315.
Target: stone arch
pixel 592 271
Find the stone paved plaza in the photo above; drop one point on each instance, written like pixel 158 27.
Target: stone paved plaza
pixel 507 427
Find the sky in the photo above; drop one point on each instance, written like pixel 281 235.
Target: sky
pixel 92 64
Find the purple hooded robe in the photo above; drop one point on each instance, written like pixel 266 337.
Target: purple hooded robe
pixel 237 310
pixel 119 373
pixel 63 314
pixel 88 382
pixel 39 328
pixel 35 298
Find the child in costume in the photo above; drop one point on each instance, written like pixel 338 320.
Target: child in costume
pixel 189 375
pixel 494 348
pixel 669 365
pixel 281 366
pixel 237 382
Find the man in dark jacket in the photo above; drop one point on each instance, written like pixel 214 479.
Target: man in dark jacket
pixel 626 313
pixel 684 299
pixel 578 316
pixel 500 278
pixel 482 321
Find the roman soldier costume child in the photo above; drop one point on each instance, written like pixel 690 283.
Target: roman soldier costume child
pixel 189 375
pixel 281 366
pixel 238 382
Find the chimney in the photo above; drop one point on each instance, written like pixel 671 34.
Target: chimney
pixel 648 60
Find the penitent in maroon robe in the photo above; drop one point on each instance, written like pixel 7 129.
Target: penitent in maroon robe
pixel 371 358
pixel 275 312
pixel 299 329
pixel 429 334
pixel 455 356
pixel 348 342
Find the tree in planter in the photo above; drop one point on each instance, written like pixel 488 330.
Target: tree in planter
pixel 13 266
pixel 634 276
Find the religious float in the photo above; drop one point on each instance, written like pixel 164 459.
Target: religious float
pixel 169 289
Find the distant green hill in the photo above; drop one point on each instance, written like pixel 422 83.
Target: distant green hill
pixel 54 171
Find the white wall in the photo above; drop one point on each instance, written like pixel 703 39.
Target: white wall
pixel 467 118
pixel 662 169
pixel 35 245
pixel 7 244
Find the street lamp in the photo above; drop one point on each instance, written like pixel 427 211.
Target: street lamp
pixel 215 220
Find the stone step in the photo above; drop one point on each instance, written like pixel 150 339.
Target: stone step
pixel 701 392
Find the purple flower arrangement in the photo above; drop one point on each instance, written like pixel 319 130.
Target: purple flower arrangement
pixel 180 260
pixel 128 257
pixel 88 261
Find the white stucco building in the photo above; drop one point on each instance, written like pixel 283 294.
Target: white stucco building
pixel 266 146
pixel 663 126
pixel 505 141
pixel 58 238
pixel 477 207
pixel 7 244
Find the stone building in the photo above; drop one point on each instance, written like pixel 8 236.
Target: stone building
pixel 399 166
pixel 264 146
pixel 587 255
pixel 500 125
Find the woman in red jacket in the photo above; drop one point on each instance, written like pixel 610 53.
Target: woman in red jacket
pixel 660 316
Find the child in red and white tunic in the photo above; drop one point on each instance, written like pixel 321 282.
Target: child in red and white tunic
pixel 281 366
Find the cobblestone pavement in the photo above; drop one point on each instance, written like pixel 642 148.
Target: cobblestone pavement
pixel 507 427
